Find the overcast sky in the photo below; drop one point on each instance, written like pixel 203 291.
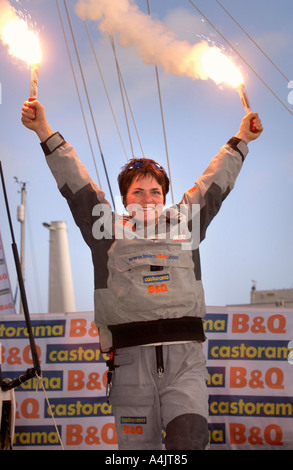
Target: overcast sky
pixel 251 238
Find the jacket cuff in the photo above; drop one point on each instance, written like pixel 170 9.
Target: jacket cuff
pixel 52 143
pixel 239 145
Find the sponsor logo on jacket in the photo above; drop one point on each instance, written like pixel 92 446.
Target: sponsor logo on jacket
pixel 156 278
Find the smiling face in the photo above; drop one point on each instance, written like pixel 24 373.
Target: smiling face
pixel 145 199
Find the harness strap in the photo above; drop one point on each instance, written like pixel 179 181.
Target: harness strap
pixel 158 331
pixel 160 360
pixel 110 365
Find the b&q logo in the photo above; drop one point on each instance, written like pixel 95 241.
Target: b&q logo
pixel 134 424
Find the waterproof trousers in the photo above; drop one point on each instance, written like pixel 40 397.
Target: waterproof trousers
pixel 160 388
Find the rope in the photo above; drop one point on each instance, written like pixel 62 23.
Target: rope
pixel 41 383
pixel 242 58
pixel 120 76
pixel 105 87
pixel 254 42
pixel 89 104
pixel 163 119
pixel 78 94
pixel 122 95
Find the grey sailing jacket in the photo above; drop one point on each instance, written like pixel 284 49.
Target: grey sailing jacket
pixel 146 290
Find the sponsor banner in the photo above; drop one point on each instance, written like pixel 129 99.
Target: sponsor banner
pixel 249 361
pixel 74 377
pixel 250 378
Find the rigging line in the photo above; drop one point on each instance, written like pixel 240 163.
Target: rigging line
pixel 122 94
pixel 89 104
pixel 130 108
pixel 41 383
pixel 105 87
pixel 132 115
pixel 254 42
pixel 78 93
pixel 163 118
pixel 33 348
pixel 242 58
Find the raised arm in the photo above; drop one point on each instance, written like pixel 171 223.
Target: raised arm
pixel 218 180
pixel 73 179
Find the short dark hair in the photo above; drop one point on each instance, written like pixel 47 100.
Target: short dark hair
pixel 140 168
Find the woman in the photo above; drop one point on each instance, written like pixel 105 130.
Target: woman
pixel 149 300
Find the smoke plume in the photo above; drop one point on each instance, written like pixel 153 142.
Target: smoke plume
pixel 153 41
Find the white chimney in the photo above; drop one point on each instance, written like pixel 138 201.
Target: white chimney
pixel 61 293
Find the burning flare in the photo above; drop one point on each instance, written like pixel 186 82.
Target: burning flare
pixel 157 44
pixel 220 68
pixel 22 42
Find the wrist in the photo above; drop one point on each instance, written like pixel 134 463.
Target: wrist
pixel 44 131
pixel 243 137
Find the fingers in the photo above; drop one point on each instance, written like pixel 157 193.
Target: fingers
pixel 256 121
pixel 32 113
pixel 250 128
pixel 33 117
pixel 28 112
